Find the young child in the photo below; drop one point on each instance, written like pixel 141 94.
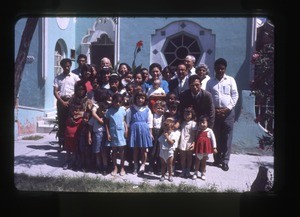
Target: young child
pixel 156 90
pixel 168 141
pixel 158 118
pixel 96 137
pixel 139 120
pixel 187 141
pixel 155 93
pixel 71 135
pixel 173 112
pixel 205 144
pixel 84 143
pixel 116 129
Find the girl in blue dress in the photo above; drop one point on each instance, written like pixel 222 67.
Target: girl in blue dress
pixel 116 129
pixel 139 120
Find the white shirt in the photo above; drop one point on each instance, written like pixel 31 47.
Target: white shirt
pixel 65 83
pixel 224 92
pixel 153 91
pixel 157 120
pixel 204 81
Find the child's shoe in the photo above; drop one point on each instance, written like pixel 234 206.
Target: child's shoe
pixel 170 179
pixel 203 176
pixel 162 178
pixel 194 177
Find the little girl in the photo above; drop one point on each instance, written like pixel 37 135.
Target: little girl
pixel 187 141
pixel 96 137
pixel 72 135
pixel 168 141
pixel 158 118
pixel 140 122
pixel 116 129
pixel 205 144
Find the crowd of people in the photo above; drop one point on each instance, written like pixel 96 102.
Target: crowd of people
pixel 169 117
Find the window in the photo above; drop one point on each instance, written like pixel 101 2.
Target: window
pixel 178 47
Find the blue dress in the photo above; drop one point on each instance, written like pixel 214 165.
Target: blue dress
pixel 139 129
pixel 116 126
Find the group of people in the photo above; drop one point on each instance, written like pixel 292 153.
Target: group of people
pixel 168 117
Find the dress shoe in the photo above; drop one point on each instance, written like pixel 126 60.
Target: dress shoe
pixel 225 167
pixel 216 164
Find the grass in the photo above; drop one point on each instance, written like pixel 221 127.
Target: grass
pixel 24 182
pixel 32 137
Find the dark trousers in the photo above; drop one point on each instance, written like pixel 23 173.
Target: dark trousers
pixel 223 130
pixel 62 114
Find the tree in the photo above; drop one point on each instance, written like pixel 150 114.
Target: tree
pixel 262 86
pixel 29 29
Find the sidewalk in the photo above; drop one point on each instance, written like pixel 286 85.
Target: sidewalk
pixel 41 158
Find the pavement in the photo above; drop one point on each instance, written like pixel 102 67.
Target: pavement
pixel 41 158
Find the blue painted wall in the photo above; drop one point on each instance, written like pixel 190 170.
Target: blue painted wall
pixel 233 41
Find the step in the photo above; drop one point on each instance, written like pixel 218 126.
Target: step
pixel 44 127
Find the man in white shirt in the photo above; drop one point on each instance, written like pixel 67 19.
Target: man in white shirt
pixel 225 94
pixel 63 89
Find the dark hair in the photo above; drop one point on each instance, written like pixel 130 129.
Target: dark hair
pixel 140 93
pixel 101 95
pixel 202 118
pixel 125 64
pixel 64 61
pixel 103 106
pixel 190 109
pixel 174 104
pixel 82 56
pixel 220 61
pixel 79 84
pixel 192 78
pixel 153 65
pixel 117 97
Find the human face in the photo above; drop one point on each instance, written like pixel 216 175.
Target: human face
pixel 159 110
pixel 155 73
pixel 156 84
pixel 220 71
pixel 128 77
pixel 140 100
pixel 138 78
pixel 80 91
pixel 145 75
pixel 172 98
pixel 67 67
pixel 95 84
pixel 187 115
pixel 167 125
pixel 123 70
pixel 105 62
pixel 189 63
pixel 202 71
pixel 181 71
pixel 195 86
pixel 202 124
pixel 81 62
pixel 173 111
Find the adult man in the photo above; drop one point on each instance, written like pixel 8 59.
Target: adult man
pixel 180 83
pixel 63 89
pixel 81 60
pixel 225 95
pixel 190 61
pixel 199 99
